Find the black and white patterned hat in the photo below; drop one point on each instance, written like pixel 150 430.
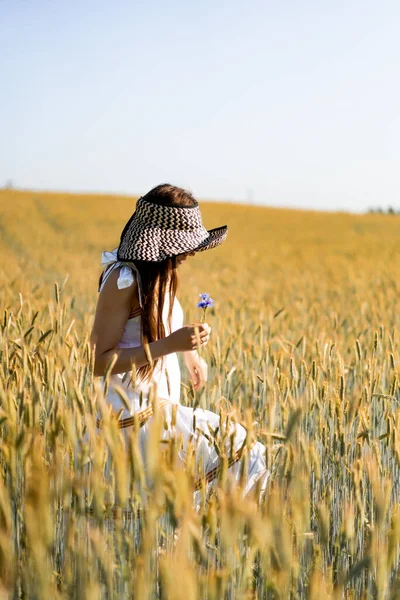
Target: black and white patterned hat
pixel 156 232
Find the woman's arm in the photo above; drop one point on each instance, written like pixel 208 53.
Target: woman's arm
pixel 112 312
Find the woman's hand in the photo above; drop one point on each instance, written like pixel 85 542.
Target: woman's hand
pixel 190 337
pixel 197 368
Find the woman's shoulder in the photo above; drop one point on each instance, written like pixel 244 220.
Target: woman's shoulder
pixel 113 293
pixel 125 275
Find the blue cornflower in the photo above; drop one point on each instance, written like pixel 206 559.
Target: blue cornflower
pixel 205 302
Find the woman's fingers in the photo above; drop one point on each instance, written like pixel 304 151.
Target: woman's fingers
pixel 204 339
pixel 189 337
pixel 199 379
pixel 198 370
pixel 196 379
pixel 202 380
pixel 202 328
pixel 201 335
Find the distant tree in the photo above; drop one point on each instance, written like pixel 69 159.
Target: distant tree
pixel 381 211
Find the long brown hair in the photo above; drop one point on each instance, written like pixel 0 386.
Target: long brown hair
pixel 158 278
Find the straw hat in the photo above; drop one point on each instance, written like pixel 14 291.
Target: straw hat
pixel 156 232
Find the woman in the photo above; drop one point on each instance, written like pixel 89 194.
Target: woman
pixel 139 322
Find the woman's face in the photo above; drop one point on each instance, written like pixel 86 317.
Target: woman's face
pixel 182 257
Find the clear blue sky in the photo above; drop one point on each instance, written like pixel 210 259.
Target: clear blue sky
pixel 290 103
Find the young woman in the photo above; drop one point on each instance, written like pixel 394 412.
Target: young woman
pixel 139 319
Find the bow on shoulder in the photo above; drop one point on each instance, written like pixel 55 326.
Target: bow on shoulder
pixel 126 277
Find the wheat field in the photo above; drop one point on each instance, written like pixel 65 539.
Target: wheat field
pixel 305 349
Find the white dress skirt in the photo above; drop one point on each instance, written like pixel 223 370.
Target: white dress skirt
pixel 193 427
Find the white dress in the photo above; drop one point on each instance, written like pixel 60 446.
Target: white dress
pixel 167 379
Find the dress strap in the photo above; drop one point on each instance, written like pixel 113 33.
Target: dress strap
pixel 109 260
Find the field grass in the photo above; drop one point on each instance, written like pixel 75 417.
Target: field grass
pixel 305 345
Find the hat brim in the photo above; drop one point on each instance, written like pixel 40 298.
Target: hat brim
pixel 215 238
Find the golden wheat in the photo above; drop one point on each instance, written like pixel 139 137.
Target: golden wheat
pixel 304 352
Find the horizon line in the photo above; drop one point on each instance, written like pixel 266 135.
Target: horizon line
pixel 240 202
